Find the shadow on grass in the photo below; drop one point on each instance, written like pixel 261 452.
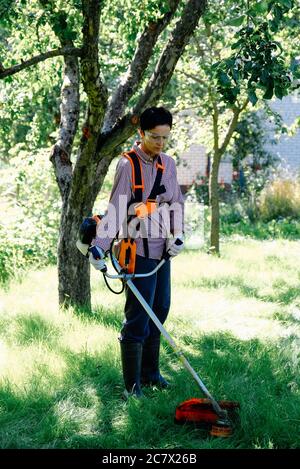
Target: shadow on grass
pixel 283 293
pixel 26 329
pixel 34 328
pixel 109 317
pixel 224 282
pixel 286 296
pixel 83 409
pixel 287 318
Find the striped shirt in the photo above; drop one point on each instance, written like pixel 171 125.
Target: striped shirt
pixel 168 218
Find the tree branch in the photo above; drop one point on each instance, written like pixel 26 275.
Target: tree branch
pixel 66 51
pixel 201 50
pixel 236 113
pixel 193 77
pixel 85 168
pixel 69 111
pixel 134 74
pixel 216 128
pixel 161 76
pixel 245 104
pixel 69 107
pixel 94 87
pixel 121 131
pixel 183 30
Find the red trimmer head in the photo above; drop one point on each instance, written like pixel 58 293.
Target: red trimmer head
pixel 201 413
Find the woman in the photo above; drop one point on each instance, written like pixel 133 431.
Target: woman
pixel 157 191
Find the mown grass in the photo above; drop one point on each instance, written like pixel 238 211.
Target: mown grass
pixel 236 318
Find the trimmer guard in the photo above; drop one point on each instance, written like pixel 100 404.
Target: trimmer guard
pixel 201 413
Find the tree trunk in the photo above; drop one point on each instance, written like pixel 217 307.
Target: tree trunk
pixel 213 178
pixel 214 204
pixel 78 199
pixel 73 268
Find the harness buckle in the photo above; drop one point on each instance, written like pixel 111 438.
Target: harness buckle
pixel 151 206
pixel 142 210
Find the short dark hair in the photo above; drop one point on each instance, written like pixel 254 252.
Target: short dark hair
pixel 153 116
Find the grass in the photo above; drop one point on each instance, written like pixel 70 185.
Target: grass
pixel 236 318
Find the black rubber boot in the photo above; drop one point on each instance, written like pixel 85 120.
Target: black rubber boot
pixel 150 364
pixel 131 356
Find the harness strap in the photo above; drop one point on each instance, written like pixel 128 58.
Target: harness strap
pixel 157 189
pixel 137 175
pixel 138 180
pixel 138 187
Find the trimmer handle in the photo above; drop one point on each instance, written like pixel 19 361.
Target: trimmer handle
pixel 96 256
pixel 125 276
pixel 167 256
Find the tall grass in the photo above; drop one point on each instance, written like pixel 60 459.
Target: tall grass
pixel 280 198
pixel 236 319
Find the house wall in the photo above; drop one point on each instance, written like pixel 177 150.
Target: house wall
pixel 193 164
pixel 288 147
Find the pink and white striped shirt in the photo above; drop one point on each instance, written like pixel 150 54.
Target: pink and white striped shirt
pixel 168 218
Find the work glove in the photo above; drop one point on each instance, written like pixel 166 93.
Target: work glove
pixel 96 258
pixel 175 245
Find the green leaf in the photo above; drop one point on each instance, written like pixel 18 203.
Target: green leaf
pixel 270 5
pixel 278 12
pixel 238 21
pixel 235 75
pixel 287 3
pixel 237 44
pixel 236 91
pixel 230 62
pixel 279 92
pixel 248 66
pixel 252 96
pixel 70 35
pixel 269 93
pixel 211 18
pixel 274 26
pixel 260 7
pixel 224 79
pixel 215 65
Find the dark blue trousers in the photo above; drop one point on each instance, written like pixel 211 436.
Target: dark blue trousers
pixel 156 290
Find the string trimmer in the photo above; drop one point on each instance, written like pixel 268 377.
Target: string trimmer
pixel 216 416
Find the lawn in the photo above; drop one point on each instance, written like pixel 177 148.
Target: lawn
pixel 237 319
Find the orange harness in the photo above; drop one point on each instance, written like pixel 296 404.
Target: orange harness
pixel 127 248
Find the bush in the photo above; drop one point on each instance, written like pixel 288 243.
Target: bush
pixel 29 230
pixel 284 228
pixel 235 219
pixel 281 198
